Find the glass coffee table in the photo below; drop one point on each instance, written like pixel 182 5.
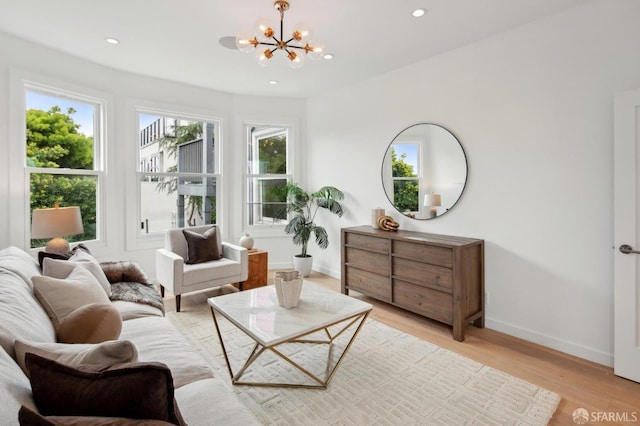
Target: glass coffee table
pixel 321 317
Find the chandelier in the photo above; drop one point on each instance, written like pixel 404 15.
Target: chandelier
pixel 266 42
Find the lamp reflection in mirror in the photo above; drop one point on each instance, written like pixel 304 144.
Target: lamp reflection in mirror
pixel 433 201
pixel 56 223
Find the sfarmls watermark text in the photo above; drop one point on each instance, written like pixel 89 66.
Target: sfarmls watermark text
pixel 582 416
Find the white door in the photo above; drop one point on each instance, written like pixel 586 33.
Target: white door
pixel 626 195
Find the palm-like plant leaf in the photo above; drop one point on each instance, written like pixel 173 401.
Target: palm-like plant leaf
pixel 304 208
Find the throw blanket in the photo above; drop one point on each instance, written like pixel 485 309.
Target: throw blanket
pixel 130 284
pixel 137 292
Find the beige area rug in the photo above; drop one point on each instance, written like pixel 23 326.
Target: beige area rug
pixel 388 377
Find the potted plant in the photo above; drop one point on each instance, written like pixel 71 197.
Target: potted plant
pixel 304 207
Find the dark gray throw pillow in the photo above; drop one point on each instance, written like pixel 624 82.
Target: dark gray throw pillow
pixel 201 247
pixel 138 390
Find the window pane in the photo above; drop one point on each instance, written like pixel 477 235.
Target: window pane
pixel 67 190
pixel 169 145
pixel 404 160
pixel 267 157
pixel 268 150
pixel 266 205
pixel 405 195
pixel 168 202
pixel 60 132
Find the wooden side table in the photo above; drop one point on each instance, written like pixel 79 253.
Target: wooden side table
pixel 258 269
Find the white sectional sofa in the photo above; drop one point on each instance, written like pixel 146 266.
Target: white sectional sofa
pixel 202 398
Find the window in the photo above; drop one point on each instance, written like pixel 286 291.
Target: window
pixel 63 138
pixel 405 172
pixel 178 172
pixel 267 171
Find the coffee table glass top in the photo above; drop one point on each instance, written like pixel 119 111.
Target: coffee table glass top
pixel 257 312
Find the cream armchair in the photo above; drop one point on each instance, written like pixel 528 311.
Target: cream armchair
pixel 179 277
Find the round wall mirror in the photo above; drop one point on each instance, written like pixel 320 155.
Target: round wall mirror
pixel 424 171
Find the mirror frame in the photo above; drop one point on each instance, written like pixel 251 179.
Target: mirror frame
pixel 466 166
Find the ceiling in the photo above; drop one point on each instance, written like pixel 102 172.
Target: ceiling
pixel 179 39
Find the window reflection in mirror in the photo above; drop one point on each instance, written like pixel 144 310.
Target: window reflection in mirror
pixel 424 171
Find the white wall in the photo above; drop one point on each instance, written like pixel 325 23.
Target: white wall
pixel 532 108
pixel 124 91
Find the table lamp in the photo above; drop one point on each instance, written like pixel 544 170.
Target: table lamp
pixel 432 201
pixel 56 223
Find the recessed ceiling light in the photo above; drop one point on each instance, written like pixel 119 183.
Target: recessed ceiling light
pixel 328 56
pixel 112 40
pixel 418 12
pixel 273 82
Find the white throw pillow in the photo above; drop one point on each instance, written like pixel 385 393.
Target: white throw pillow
pixel 60 297
pixel 103 354
pixel 58 268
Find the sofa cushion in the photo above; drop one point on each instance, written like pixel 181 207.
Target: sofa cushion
pixel 105 354
pixel 15 390
pixel 132 390
pixel 200 272
pixel 131 310
pixel 92 323
pixel 60 297
pixel 227 409
pixel 62 268
pixel 156 339
pixel 14 260
pixel 31 418
pixel 21 316
pixel 201 247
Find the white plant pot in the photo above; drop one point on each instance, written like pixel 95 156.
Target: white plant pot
pixel 288 288
pixel 303 264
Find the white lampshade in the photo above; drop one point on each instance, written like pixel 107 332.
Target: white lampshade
pixel 432 200
pixel 56 223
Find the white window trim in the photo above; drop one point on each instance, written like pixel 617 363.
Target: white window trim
pixel 20 82
pixel 135 239
pixel 275 229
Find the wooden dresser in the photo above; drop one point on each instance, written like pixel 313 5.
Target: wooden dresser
pixel 438 276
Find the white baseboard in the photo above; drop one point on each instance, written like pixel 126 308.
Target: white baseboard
pixel 571 348
pixel 327 271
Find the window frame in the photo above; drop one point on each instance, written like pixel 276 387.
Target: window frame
pixel 100 104
pixel 418 178
pixel 271 229
pixel 140 237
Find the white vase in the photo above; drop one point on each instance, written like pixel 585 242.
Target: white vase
pixel 303 264
pixel 246 241
pixel 288 287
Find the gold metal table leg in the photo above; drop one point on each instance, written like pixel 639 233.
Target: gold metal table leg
pixel 258 350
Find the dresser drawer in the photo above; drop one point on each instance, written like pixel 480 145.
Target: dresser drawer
pixel 424 301
pixel 369 261
pixel 423 273
pixel 368 243
pixel 369 283
pixel 442 256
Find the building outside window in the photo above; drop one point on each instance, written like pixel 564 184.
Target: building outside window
pixel 178 171
pixel 63 146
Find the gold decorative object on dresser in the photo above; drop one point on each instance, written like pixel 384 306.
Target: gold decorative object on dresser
pixel 437 276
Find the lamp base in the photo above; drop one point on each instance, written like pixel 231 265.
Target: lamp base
pixel 433 212
pixel 58 245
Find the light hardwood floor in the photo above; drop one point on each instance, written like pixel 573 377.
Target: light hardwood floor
pixel 580 383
